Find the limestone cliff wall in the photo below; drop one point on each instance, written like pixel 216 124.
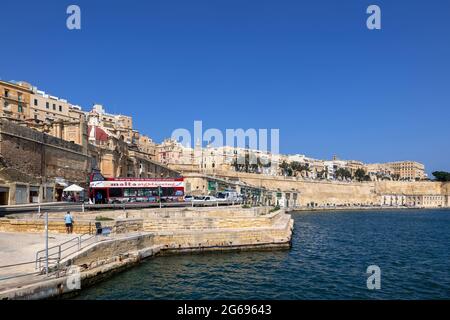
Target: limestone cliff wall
pixel 339 193
pixel 408 188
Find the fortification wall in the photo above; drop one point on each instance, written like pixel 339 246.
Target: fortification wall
pixel 338 193
pixel 40 157
pixel 171 234
pixel 408 188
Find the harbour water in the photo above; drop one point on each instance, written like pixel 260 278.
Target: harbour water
pixel 328 260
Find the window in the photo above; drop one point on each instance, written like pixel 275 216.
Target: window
pixel 60 108
pixel 129 192
pixel 6 104
pixel 115 192
pixel 142 192
pixel 20 107
pixel 54 106
pixel 47 105
pixel 19 96
pixel 6 93
pixel 35 102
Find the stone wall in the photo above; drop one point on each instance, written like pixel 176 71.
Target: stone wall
pixel 40 157
pixel 276 231
pixel 35 225
pixel 446 192
pixel 325 193
pixel 128 225
pixel 80 226
pixel 112 248
pixel 199 221
pixel 408 188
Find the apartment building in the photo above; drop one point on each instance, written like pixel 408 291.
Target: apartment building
pixel 147 146
pixel 15 100
pixel 407 170
pixel 48 108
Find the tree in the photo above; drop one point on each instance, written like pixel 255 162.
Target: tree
pixel 360 174
pixel 250 163
pixel 442 176
pixel 343 173
pixel 295 166
pixel 284 166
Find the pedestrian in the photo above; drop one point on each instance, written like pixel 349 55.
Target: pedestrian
pixel 99 197
pixel 68 219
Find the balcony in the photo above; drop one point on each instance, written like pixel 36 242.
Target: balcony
pixel 14 99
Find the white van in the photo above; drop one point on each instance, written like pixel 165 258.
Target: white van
pixel 229 196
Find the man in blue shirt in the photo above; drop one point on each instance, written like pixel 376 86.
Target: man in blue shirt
pixel 68 219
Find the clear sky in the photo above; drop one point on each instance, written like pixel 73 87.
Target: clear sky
pixel 309 68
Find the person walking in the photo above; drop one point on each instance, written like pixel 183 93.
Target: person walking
pixel 99 198
pixel 68 220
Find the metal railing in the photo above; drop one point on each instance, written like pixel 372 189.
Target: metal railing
pixel 61 251
pixel 15 265
pixel 56 254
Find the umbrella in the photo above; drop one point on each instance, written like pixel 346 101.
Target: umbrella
pixel 73 188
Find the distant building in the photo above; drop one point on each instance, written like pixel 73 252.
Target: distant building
pixel 121 126
pixel 15 100
pixel 48 108
pixel 408 170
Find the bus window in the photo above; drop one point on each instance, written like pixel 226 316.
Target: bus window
pixel 115 192
pixel 143 192
pixel 128 192
pixel 168 192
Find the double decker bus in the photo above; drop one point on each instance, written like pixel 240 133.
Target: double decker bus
pixel 121 190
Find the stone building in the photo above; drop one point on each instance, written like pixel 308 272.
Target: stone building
pixel 74 131
pixel 415 200
pixel 147 146
pixel 15 100
pixel 119 125
pixel 116 158
pixel 408 170
pixel 48 108
pixel 171 152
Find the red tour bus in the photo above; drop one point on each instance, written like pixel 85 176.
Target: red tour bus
pixel 120 190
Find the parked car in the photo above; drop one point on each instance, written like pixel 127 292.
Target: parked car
pixel 199 199
pixel 188 198
pixel 229 196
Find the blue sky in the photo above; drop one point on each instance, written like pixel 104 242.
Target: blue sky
pixel 310 68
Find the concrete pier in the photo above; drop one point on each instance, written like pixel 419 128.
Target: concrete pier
pixel 140 234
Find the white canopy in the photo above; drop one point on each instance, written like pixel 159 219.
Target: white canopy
pixel 73 188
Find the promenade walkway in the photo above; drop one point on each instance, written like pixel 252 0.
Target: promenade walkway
pixel 22 247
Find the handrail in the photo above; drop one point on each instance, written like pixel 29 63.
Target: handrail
pixel 60 250
pixel 16 264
